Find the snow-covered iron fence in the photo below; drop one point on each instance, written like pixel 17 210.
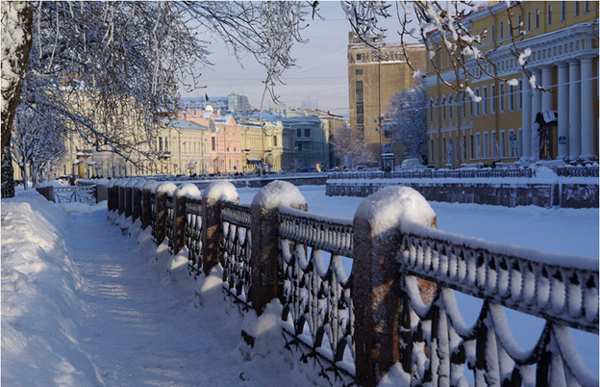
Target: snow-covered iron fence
pixel 465 173
pixel 362 296
pixel 236 223
pixel 72 194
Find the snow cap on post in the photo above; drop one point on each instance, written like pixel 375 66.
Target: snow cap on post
pixel 222 191
pixel 187 190
pixel 394 206
pixel 166 187
pixel 279 193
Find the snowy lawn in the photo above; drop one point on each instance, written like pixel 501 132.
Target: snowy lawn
pixel 83 305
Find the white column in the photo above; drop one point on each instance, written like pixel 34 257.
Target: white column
pixel 574 110
pixel 563 110
pixel 526 119
pixel 536 107
pixel 587 109
pixel 547 84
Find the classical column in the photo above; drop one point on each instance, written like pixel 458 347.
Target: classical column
pixel 574 110
pixel 536 107
pixel 587 109
pixel 547 84
pixel 526 118
pixel 563 110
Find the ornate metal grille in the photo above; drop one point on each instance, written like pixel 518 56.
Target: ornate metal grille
pixel 153 218
pixel 194 234
pixel 236 250
pixel 169 221
pixel 316 291
pixel 72 194
pixel 438 345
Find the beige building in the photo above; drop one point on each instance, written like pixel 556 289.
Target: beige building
pixel 375 74
pixel 505 124
pixel 262 145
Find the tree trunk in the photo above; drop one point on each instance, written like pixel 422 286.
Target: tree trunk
pixel 16 43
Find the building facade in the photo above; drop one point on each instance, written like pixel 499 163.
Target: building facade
pixel 310 138
pixel 262 146
pixel 513 121
pixel 375 74
pixel 238 103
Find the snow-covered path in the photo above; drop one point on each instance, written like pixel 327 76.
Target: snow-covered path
pixel 142 328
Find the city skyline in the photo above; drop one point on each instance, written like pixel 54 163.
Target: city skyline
pixel 319 80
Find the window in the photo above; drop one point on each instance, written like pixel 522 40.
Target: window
pixel 443 104
pixel 493 99
pixel 486 145
pixel 512 143
pixel 166 144
pixel 432 151
pixel 213 144
pixel 549 15
pixel 299 146
pixel 510 32
pixel 563 6
pixel 463 97
pixel 477 105
pixel 464 148
pixel 298 132
pixel 450 109
pixel 431 112
pixel 472 155
pixel 502 144
pixel 501 30
pixel 306 132
pixel 274 140
pixel 358 72
pixel 576 11
pixel 511 98
pixel 520 95
pixel 587 7
pixel 478 146
pixel 494 144
pixel 358 57
pixel 502 97
pixel 493 29
pixel 160 144
pixel 360 117
pixel 528 21
pixel 537 18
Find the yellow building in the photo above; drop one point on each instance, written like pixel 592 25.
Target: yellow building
pixel 562 38
pixel 375 74
pixel 262 145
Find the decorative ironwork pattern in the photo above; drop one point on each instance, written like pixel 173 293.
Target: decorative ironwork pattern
pixel 236 250
pixel 194 234
pixel 332 235
pixel 72 194
pixel 169 222
pixel 153 218
pixel 316 295
pixel 441 344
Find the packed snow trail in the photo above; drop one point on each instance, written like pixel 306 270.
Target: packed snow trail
pixel 144 328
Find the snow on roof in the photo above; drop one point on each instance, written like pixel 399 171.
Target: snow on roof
pixel 183 124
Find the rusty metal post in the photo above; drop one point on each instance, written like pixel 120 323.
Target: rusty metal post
pixel 376 278
pixel 265 238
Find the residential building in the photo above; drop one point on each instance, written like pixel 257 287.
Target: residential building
pixel 506 125
pixel 310 139
pixel 375 74
pixel 183 147
pixel 262 145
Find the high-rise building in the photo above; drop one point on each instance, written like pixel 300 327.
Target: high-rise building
pixel 375 73
pixel 238 103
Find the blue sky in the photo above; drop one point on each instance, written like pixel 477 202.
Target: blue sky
pixel 319 81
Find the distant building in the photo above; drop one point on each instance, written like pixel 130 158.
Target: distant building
pixel 262 145
pixel 375 74
pixel 310 139
pixel 238 103
pixel 506 124
pixel 202 103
